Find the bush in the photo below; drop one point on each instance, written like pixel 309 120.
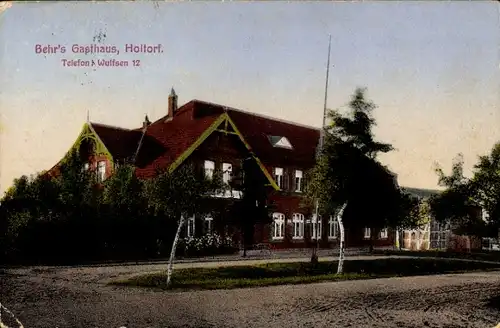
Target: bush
pixel 209 244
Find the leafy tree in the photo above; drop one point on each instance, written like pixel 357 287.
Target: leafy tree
pixel 125 215
pixel 486 186
pixel 347 179
pixel 29 203
pixel 463 198
pixel 414 213
pixel 14 216
pixel 179 195
pixel 80 200
pixel 78 187
pixel 456 203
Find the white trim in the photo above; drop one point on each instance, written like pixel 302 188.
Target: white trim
pixel 278 176
pixel 209 167
pixel 101 171
pixel 283 142
pixel 227 170
pixel 190 230
pixel 298 226
pixel 333 224
pixel 210 224
pixel 278 226
pixel 313 228
pixel 298 180
pixel 367 233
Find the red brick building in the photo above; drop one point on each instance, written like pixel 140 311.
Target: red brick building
pixel 211 137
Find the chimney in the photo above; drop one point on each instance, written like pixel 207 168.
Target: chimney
pixel 172 104
pixel 146 122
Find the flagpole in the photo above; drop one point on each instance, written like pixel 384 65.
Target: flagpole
pixel 322 136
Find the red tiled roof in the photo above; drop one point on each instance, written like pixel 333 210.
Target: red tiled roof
pixel 192 119
pixel 121 143
pixel 166 140
pixel 257 129
pixel 176 136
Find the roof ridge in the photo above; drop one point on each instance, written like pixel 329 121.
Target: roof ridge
pixel 422 189
pixel 259 115
pixel 111 126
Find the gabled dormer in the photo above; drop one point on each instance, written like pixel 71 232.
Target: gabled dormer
pixel 280 142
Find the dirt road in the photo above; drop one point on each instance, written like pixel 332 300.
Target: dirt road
pixel 78 297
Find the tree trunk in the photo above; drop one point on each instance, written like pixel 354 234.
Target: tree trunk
pixel 314 255
pixel 397 242
pixel 170 266
pixel 401 239
pixel 340 268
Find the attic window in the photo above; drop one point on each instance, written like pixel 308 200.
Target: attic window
pixel 280 142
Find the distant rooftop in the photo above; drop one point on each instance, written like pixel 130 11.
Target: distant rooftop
pixel 422 193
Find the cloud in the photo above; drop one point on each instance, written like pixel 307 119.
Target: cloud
pixel 4 5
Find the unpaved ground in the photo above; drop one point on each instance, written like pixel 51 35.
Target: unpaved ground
pixel 78 297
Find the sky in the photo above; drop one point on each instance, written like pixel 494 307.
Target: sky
pixel 432 68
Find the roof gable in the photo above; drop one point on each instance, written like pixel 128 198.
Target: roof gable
pixel 167 142
pixel 121 143
pixel 290 144
pixel 256 129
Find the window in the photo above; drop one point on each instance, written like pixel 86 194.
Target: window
pixel 227 170
pixel 278 176
pixel 280 142
pixel 85 167
pixel 316 226
pixel 190 227
pixel 209 225
pixel 298 226
pixel 209 169
pixel 384 234
pixel 101 171
pixel 485 215
pixel 298 181
pixel 367 233
pixel 333 228
pixel 278 226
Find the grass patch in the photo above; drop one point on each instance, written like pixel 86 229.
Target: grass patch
pixel 301 272
pixel 478 256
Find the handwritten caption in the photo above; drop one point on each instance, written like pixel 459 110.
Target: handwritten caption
pixel 96 49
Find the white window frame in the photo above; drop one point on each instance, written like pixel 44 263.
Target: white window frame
pixel 278 176
pixel 384 233
pixel 313 227
pixel 283 143
pixel 86 167
pixel 333 227
pixel 101 171
pixel 210 226
pixel 298 180
pixel 278 231
pixel 367 233
pixel 190 227
pixel 209 167
pixel 298 226
pixel 485 216
pixel 227 170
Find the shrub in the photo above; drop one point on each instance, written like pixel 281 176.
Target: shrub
pixel 209 244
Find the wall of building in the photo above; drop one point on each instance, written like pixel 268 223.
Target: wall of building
pixel 228 148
